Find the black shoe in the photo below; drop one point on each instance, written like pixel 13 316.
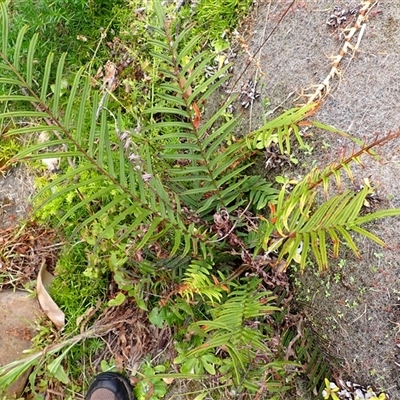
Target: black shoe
pixel 110 386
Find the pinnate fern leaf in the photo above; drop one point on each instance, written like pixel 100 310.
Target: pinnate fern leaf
pixel 281 129
pixel 230 328
pixel 204 169
pixel 300 228
pixel 79 123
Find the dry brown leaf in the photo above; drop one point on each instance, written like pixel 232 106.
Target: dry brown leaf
pixel 48 305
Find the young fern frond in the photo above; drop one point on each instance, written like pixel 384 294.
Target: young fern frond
pixel 230 326
pixel 197 281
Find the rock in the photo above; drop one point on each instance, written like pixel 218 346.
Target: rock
pixel 17 314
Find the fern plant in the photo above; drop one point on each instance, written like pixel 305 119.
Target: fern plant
pixel 204 171
pixel 235 328
pixel 131 185
pixel 296 225
pixel 124 178
pixel 154 192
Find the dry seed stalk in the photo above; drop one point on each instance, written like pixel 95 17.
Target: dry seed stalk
pixel 323 88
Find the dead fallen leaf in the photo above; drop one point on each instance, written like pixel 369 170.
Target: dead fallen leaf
pixel 48 305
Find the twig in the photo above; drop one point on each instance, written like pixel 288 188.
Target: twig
pixel 263 43
pixel 365 310
pixel 289 351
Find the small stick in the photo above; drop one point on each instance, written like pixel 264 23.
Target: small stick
pixel 354 320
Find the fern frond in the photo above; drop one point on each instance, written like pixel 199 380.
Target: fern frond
pixel 228 328
pixel 123 181
pixel 280 129
pixel 197 282
pixel 301 229
pixel 204 170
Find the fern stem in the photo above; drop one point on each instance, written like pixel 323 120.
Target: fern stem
pixel 366 149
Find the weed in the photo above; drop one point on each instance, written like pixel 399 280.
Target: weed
pixel 9 148
pixel 337 277
pixel 77 293
pixel 64 26
pixel 330 390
